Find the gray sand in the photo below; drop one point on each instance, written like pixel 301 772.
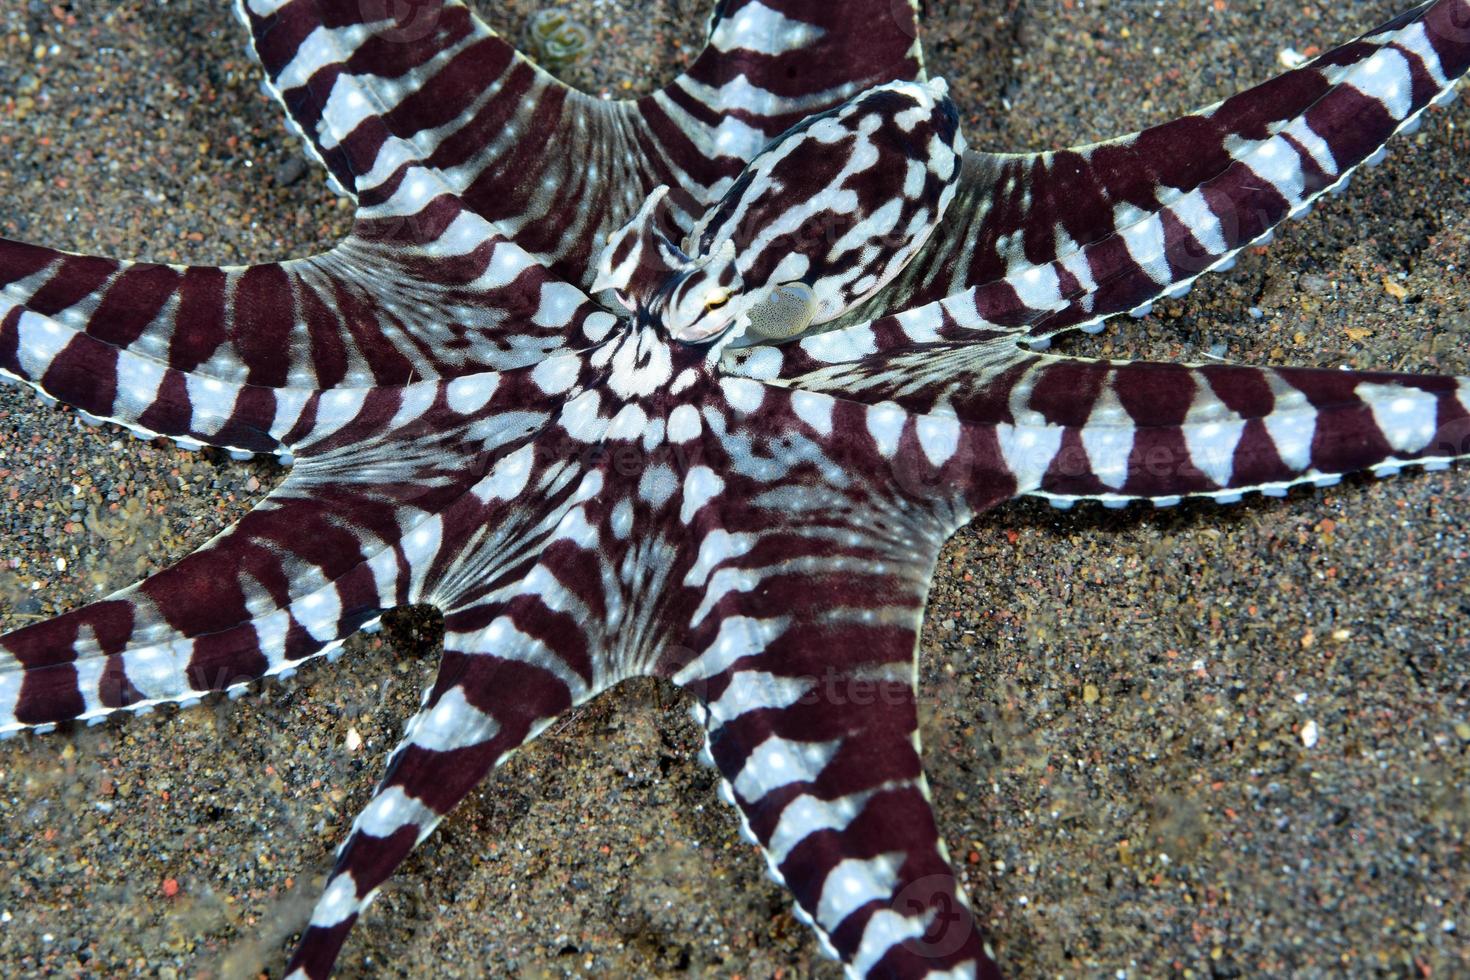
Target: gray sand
pixel 1113 702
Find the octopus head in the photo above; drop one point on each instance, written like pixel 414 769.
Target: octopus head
pixel 696 300
pixel 703 302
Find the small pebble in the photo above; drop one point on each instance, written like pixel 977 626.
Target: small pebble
pixel 292 171
pixel 1310 734
pixel 1315 284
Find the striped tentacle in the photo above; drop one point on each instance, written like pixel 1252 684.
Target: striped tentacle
pixel 800 594
pixel 1160 431
pixel 336 64
pixel 507 672
pixel 766 66
pixel 1073 428
pixel 802 655
pixel 388 481
pixel 384 91
pixel 303 571
pixel 812 723
pixel 231 356
pixel 389 93
pixel 1061 240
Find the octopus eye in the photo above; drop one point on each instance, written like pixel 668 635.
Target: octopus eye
pixel 716 300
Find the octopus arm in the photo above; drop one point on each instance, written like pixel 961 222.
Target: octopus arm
pixel 1054 241
pixel 387 95
pixel 1075 428
pixel 234 356
pixel 290 581
pixel 386 483
pixel 800 620
pixel 806 690
pixel 497 687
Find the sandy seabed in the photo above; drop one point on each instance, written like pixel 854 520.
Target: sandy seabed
pixel 1113 702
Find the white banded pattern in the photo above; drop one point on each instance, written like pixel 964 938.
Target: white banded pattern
pixel 588 500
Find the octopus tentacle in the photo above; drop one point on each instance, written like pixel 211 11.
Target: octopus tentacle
pixel 230 356
pixel 765 67
pixel 335 65
pixel 493 693
pixel 835 794
pixel 1062 240
pixel 382 92
pixel 1077 428
pixel 406 101
pixel 1160 432
pixel 289 581
pixel 385 480
pixel 800 647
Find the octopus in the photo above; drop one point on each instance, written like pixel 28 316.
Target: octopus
pixel 456 393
